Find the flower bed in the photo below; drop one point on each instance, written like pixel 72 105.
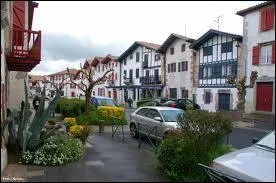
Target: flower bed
pixel 56 150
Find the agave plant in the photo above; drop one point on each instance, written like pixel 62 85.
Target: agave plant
pixel 25 133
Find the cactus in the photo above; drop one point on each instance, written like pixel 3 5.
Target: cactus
pixel 28 135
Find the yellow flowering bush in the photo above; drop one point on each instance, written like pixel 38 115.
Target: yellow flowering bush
pixel 110 114
pixel 76 130
pixel 70 121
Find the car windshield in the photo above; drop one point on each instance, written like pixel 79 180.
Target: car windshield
pixel 108 102
pixel 172 115
pixel 268 141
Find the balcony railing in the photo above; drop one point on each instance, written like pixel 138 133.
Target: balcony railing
pixel 150 80
pixel 25 52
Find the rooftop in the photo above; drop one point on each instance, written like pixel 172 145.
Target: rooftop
pixel 253 8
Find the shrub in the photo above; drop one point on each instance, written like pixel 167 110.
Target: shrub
pixel 85 133
pixel 140 102
pixel 76 130
pixel 70 121
pixel 71 107
pixel 56 150
pixel 196 142
pixel 149 103
pixel 91 119
pixel 110 114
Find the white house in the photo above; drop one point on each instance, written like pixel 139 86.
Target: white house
pixel 69 90
pixel 101 65
pixel 140 72
pixel 178 66
pixel 217 57
pixel 259 55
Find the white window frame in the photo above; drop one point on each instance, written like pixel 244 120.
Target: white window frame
pixel 266 54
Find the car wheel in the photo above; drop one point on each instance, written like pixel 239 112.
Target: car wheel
pixel 133 131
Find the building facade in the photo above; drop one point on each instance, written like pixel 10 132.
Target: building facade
pixel 178 67
pixel 140 72
pixel 217 58
pixel 20 53
pixel 259 55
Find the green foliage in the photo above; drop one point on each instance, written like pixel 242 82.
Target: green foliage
pixel 140 102
pixel 196 142
pixel 70 121
pixel 71 107
pixel 94 118
pixel 52 122
pixel 56 150
pixel 149 103
pixel 81 132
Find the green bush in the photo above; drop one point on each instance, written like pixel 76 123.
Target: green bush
pixel 56 150
pixel 71 107
pixel 149 103
pixel 94 118
pixel 196 142
pixel 142 101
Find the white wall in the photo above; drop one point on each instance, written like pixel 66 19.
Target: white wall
pixel 180 80
pixel 252 36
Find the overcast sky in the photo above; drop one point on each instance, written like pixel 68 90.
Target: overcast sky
pixel 73 31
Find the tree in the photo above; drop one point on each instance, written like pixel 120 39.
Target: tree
pixel 241 87
pixel 88 82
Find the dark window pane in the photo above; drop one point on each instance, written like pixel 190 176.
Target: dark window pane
pixel 137 56
pixel 201 72
pixel 169 66
pixel 227 47
pixel 207 97
pixel 179 67
pixel 183 47
pixel 207 50
pixel 137 73
pixel 146 58
pixel 172 51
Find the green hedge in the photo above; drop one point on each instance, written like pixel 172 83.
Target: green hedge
pixel 94 118
pixel 142 101
pixel 71 107
pixel 198 141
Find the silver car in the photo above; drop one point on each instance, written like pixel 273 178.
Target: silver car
pixel 155 121
pixel 252 164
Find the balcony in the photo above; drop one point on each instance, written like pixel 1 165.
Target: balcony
pixel 25 51
pixel 145 64
pixel 150 80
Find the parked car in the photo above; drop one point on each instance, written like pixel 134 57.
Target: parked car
pixel 251 164
pixel 164 118
pixel 182 103
pixel 102 101
pixel 159 101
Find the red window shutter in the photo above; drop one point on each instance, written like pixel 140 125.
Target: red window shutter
pixel 273 53
pixel 269 18
pixel 255 55
pixel 263 20
pixel 18 22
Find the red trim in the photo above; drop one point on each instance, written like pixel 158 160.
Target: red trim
pixel 269 18
pixel 263 20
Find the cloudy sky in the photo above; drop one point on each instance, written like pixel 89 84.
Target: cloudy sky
pixel 73 31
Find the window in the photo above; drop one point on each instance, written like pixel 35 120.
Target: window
pixel 183 47
pixel 216 70
pixel 152 113
pixel 146 57
pixel 227 47
pixel 169 68
pixel 184 66
pixel 116 76
pixel 207 99
pixel 179 68
pixel 142 112
pixel 207 51
pixel 267 19
pixel 130 56
pixel 99 68
pixel 113 65
pixel 223 70
pixel 173 93
pixel 266 54
pixel 157 57
pixel 137 73
pixel 205 72
pixel 125 73
pixel 201 71
pixel 103 68
pixel 184 93
pixel 172 67
pixel 109 65
pixel 172 51
pixel 124 61
pixel 72 94
pixel 209 72
pixel 137 56
pixel 72 85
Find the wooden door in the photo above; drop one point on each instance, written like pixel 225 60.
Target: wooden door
pixel 264 96
pixel 224 101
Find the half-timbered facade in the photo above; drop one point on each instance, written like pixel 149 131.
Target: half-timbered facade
pixel 140 71
pixel 217 58
pixel 178 67
pixel 259 55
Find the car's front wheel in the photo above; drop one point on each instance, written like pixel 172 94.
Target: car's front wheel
pixel 133 131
